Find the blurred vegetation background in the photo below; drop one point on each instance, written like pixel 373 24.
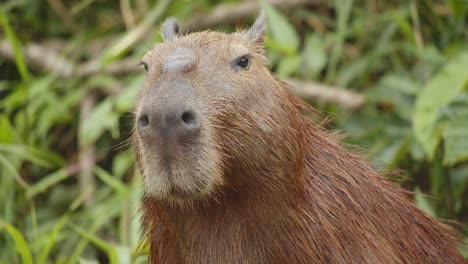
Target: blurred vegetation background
pixel 392 75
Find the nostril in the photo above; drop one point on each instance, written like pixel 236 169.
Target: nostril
pixel 143 121
pixel 189 118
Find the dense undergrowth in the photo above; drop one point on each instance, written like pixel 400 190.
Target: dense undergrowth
pixel 68 191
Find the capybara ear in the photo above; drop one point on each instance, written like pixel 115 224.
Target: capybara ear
pixel 256 33
pixel 170 29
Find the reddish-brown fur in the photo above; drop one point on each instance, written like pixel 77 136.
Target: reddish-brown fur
pixel 290 193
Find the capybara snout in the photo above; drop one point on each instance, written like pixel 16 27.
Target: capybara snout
pixel 169 115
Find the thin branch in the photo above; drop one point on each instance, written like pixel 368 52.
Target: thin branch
pixel 327 94
pixel 40 57
pixel 87 154
pixel 44 59
pixel 232 13
pixel 127 14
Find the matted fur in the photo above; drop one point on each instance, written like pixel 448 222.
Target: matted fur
pixel 284 190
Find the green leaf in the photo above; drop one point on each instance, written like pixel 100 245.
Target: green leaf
pixel 282 32
pixel 400 83
pixel 454 120
pixel 343 9
pixel 20 242
pixel 6 130
pixel 109 249
pixel 423 203
pixel 314 55
pixel 47 182
pixel 288 66
pixel 131 37
pixel 405 27
pixel 122 163
pixel 446 85
pixel 458 7
pixel 110 180
pixel 126 99
pixel 101 119
pixel 11 170
pixel 456 140
pixel 38 156
pixel 15 44
pixel 51 239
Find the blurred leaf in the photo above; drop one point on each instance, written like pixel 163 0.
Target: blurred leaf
pixel 281 30
pixel 38 156
pixel 136 214
pixel 394 151
pixel 456 141
pixel 401 83
pixel 458 7
pixel 423 203
pixel 459 178
pixel 438 92
pixel 51 239
pixel 10 169
pixel 47 182
pixel 101 119
pixel 131 37
pixel 6 130
pixel 452 122
pixel 122 163
pixel 109 249
pixel 343 9
pixel 108 179
pixel 405 27
pixel 288 66
pixel 314 55
pixel 15 99
pixel 14 42
pixel 20 243
pixel 126 99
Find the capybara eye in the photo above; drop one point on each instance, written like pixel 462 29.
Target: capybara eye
pixel 243 62
pixel 145 65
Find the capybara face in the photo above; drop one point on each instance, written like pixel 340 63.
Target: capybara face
pixel 204 108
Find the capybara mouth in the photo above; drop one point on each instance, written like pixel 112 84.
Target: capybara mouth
pixel 173 172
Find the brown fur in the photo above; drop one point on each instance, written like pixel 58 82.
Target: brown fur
pixel 284 190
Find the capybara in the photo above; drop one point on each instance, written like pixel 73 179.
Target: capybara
pixel 234 173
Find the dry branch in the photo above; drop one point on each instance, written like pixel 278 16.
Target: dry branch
pixel 326 94
pixel 44 59
pixel 232 13
pixel 87 154
pixel 40 57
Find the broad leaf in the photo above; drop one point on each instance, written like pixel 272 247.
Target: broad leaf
pixel 282 32
pixel 101 119
pixel 446 85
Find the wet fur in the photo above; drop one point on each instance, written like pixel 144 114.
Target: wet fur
pixel 290 193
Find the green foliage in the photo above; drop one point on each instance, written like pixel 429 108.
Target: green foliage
pixel 20 243
pixel 408 58
pixel 19 58
pixel 442 88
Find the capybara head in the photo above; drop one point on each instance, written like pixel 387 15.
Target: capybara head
pixel 206 112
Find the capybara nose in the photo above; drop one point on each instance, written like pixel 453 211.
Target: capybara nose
pixel 182 124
